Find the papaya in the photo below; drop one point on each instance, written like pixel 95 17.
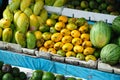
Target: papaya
pixel 44 14
pixel 5 23
pixel 24 4
pixel 22 23
pixel 7 14
pixel 16 15
pixel 31 40
pixel 38 7
pixel 28 11
pixel 14 5
pixel 20 38
pixel 34 22
pixel 41 20
pixel 7 35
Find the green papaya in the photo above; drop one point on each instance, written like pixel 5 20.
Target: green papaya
pixel 41 21
pixel 7 35
pixel 16 15
pixel 7 14
pixel 59 3
pixel 20 38
pixel 44 14
pixel 38 7
pixel 31 40
pixel 22 23
pixel 28 11
pixel 24 4
pixel 49 2
pixel 34 22
pixel 14 5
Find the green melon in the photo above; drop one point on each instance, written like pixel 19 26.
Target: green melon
pixel 116 25
pixel 110 54
pixel 100 34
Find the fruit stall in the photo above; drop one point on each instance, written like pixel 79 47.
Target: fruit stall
pixel 60 40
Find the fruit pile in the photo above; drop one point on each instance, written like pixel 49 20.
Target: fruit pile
pixel 99 6
pixel 43 75
pixel 20 20
pixel 68 37
pixel 28 24
pixel 7 72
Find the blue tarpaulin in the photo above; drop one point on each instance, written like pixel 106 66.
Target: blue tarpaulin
pixel 18 59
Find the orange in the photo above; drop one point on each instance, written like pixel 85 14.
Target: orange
pixel 46 35
pixel 90 57
pixel 56 37
pixel 67 47
pixel 76 41
pixel 85 36
pixel 67 39
pixel 88 51
pixel 52 50
pixel 75 33
pixel 50 22
pixel 38 34
pixel 40 42
pixel 58 45
pixel 70 54
pixel 43 49
pixel 87 44
pixel 59 26
pixel 49 44
pixel 71 26
pixel 63 18
pixel 78 49
pixel 65 32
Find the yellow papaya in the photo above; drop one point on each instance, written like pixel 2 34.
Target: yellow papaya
pixel 34 22
pixel 22 23
pixel 5 23
pixel 7 14
pixel 16 15
pixel 7 35
pixel 20 38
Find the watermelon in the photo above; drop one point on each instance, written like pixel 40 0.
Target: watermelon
pixel 100 34
pixel 116 25
pixel 110 54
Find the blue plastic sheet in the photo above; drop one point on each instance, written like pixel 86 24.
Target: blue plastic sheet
pixel 17 59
